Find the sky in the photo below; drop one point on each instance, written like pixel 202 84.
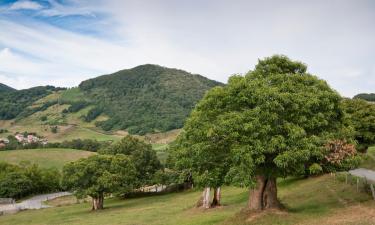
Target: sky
pixel 63 42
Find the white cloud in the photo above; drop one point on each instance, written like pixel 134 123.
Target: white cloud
pixel 25 4
pixel 215 39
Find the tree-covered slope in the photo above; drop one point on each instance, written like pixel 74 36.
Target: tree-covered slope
pixel 147 98
pixel 366 96
pixel 5 88
pixel 14 103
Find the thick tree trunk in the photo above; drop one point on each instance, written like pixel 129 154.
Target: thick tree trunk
pixel 97 202
pixel 256 194
pixel 217 197
pixel 264 195
pixel 270 194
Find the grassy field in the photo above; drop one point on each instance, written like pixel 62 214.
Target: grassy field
pixel 369 159
pixel 321 200
pixel 46 158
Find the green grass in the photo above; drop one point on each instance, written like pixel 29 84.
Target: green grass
pixel 321 200
pixel 368 161
pixel 46 158
pixel 161 151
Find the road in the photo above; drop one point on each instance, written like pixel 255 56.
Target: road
pixel 361 172
pixel 35 202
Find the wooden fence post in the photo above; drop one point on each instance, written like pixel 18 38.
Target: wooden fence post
pixel 373 191
pixel 346 178
pixel 357 184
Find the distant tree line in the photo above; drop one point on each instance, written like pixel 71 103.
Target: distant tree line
pixel 79 144
pixel 366 96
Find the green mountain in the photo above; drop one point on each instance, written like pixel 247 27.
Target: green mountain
pixel 5 88
pixel 147 98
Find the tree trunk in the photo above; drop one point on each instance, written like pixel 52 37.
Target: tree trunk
pixel 206 198
pixel 270 195
pixel 217 197
pixel 264 195
pixel 256 194
pixel 97 202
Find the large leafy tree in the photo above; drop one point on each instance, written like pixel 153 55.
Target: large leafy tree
pixel 142 155
pixel 202 151
pixel 271 123
pixel 361 116
pixel 99 175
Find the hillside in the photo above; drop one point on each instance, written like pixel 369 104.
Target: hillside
pixel 5 88
pixel 147 98
pixel 321 200
pixel 144 100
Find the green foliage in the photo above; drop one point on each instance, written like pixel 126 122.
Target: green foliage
pixel 140 153
pixel 366 96
pixel 270 122
pixel 13 103
pixel 361 116
pixel 76 106
pixel 146 98
pixel 27 179
pixel 93 114
pixel 315 169
pixel 100 174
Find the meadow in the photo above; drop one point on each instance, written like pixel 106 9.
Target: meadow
pixel 46 158
pixel 319 200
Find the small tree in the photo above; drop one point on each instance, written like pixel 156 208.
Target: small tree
pixel 99 175
pixel 141 154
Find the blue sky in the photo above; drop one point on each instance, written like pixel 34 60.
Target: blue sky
pixel 62 42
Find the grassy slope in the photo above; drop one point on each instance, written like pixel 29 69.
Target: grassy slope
pixel 46 158
pixel 319 200
pixel 71 126
pixel 369 159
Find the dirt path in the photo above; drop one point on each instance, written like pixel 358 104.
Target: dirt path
pixel 35 202
pixel 366 173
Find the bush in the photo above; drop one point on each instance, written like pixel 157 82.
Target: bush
pixel 315 169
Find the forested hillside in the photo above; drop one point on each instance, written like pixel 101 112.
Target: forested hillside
pixel 5 88
pixel 366 96
pixel 147 98
pixel 14 103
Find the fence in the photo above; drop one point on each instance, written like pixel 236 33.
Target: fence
pixel 361 183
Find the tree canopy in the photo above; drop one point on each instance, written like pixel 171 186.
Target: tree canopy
pixel 268 123
pixel 140 153
pixel 99 175
pixel 361 116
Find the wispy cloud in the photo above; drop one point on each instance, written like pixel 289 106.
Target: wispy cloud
pixel 25 4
